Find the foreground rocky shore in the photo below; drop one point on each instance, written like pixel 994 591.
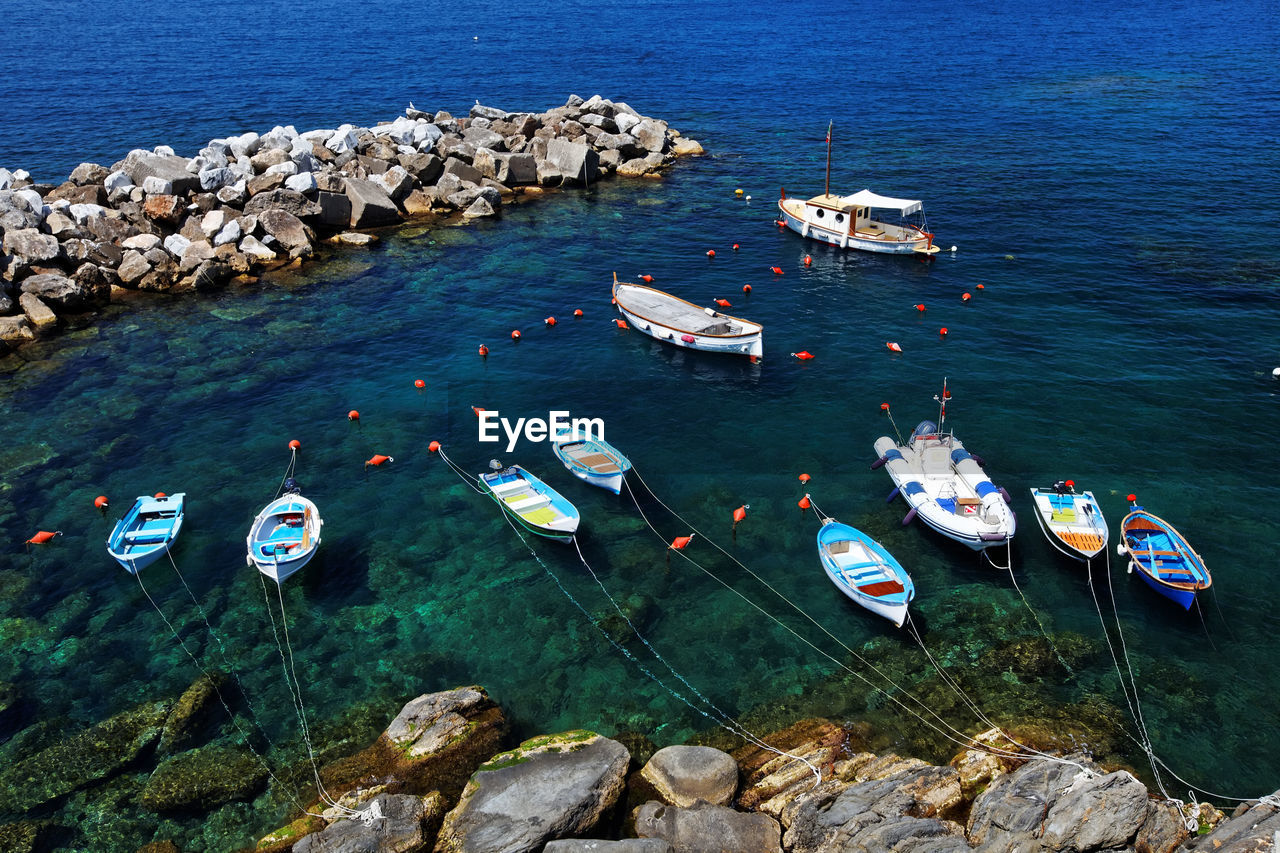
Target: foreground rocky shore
pixel 157 221
pixel 444 777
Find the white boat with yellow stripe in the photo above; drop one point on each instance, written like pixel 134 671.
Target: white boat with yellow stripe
pixel 1071 520
pixel 533 504
pixel 863 220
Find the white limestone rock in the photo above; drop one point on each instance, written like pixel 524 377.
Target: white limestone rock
pixel 625 121
pixel 163 151
pixel 396 181
pixel 214 179
pixel 133 267
pixel 343 140
pixel 141 242
pixel 118 180
pixel 234 194
pixel 154 185
pixel 279 137
pixel 6 179
pixel 213 221
pixel 303 182
pixel 286 169
pixel 244 145
pixel 33 201
pixel 255 249
pixel 83 212
pixel 230 233
pixel 176 244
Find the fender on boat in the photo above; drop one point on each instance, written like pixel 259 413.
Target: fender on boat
pixel 909 517
pixel 992 537
pixel 892 495
pixel 879 462
pixel 1004 494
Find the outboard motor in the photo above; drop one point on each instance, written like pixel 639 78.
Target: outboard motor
pixel 924 428
pixel 291 487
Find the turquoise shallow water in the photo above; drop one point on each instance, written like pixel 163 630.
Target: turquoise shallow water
pixel 1109 184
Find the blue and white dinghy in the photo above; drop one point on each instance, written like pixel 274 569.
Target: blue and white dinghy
pixel 945 485
pixel 533 504
pixel 147 530
pixel 592 460
pixel 863 570
pixel 285 534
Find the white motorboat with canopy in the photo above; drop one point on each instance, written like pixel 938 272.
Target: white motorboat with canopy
pixel 859 221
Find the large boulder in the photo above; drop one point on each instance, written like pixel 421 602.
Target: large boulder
pixel 59 292
pixel 510 169
pixel 163 208
pixel 88 173
pixel 651 134
pixel 1052 805
pixel 285 227
pixel 133 268
pixel 549 787
pixel 371 206
pixel 625 845
pixel 576 163
pixel 203 779
pixel 1251 830
pixel 386 823
pixel 704 828
pixel 682 775
pixel 140 165
pixel 42 319
pixel 288 201
pixel 425 168
pixel 30 247
pixel 14 331
pixel 396 182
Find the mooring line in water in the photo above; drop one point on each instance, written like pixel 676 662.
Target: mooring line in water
pixel 1039 624
pixel 296 695
pixel 727 721
pixel 261 759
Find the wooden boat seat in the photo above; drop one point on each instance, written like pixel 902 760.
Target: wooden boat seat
pixel 881 589
pixel 1159 553
pixel 599 463
pixel 838 547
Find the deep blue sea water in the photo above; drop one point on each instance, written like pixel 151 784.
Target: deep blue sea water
pixel 1107 173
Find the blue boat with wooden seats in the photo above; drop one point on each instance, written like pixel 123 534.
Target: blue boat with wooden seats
pixel 533 504
pixel 864 571
pixel 1162 557
pixel 147 530
pixel 592 460
pixel 285 535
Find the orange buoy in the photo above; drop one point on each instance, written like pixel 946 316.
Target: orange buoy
pixel 484 350
pixel 942 332
pixel 776 270
pixel 740 513
pixel 781 223
pixel 804 478
pixel 754 359
pixel 43 536
pixel 100 502
pixel 735 247
pixel 434 447
pixel 1132 498
pixel 980 286
pixel 295 445
pixel 965 297
pixel 920 307
pixel 884 407
pixel 803 355
pixel 577 312
pixel 711 253
pixel 724 303
pixel 808 261
pixel 353 415
pixel 681 542
pixel 647 279
pixel 621 324
pixel 804 503
pixel 159 495
pixel 479 411
pixel 378 459
pixel 746 288
pixel 515 335
pixel 893 346
pixel 550 321
pixel 613 301
pixel 419 383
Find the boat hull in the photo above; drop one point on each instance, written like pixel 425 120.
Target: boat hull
pixel 947 490
pixel 1073 523
pixel 284 536
pixel 749 341
pixel 531 503
pixel 147 531
pixel 865 572
pixel 1164 560
pixel 795 216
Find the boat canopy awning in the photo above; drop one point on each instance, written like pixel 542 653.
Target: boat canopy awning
pixel 866 198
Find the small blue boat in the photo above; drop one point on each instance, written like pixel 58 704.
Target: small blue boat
pixel 147 531
pixel 285 535
pixel 592 460
pixel 534 505
pixel 1162 558
pixel 865 571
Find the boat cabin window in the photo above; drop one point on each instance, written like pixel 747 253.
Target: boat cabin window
pixel 839 217
pixel 821 213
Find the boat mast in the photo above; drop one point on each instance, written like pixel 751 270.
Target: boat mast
pixel 942 406
pixel 826 189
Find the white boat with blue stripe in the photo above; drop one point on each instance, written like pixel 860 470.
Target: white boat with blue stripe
pixel 592 460
pixel 533 504
pixel 285 535
pixel 147 531
pixel 862 569
pixel 945 485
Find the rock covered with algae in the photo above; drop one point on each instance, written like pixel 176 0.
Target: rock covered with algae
pixel 203 779
pixel 81 759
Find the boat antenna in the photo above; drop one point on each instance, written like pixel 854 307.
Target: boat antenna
pixel 826 190
pixel 942 405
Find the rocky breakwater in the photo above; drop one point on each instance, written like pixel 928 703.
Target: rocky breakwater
pixel 811 790
pixel 158 221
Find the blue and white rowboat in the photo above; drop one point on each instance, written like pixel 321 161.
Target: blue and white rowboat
pixel 1162 557
pixel 284 536
pixel 147 531
pixel 533 504
pixel 592 460
pixel 863 570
